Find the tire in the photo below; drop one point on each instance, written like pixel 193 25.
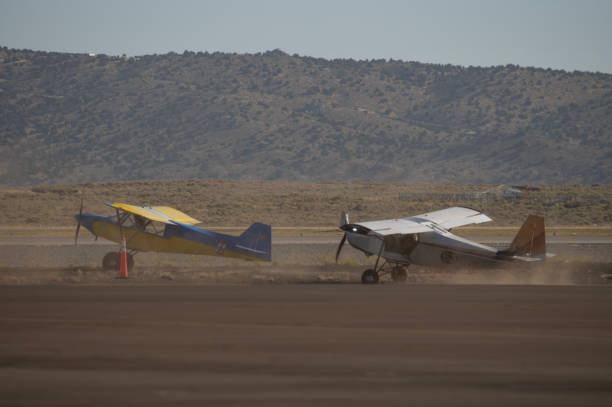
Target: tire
pixel 130 262
pixel 369 276
pixel 448 257
pixel 112 261
pixel 399 274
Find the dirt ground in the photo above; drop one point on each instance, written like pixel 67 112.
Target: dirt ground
pixel 301 330
pixel 305 344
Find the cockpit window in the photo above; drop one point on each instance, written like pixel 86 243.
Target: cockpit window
pixel 402 244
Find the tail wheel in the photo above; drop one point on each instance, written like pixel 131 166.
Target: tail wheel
pixel 399 274
pixel 448 257
pixel 112 261
pixel 369 276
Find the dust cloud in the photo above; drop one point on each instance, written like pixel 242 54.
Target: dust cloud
pixel 292 264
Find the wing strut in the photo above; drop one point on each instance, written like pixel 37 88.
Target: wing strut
pixel 382 247
pixel 121 220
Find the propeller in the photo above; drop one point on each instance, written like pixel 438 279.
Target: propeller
pixel 340 247
pixel 76 234
pixel 344 221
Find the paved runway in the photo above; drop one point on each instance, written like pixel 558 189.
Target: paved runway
pixel 284 240
pixel 305 344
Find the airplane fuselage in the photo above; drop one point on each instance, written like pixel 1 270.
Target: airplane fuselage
pixel 172 239
pixel 439 248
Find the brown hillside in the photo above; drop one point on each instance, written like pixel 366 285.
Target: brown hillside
pixel 68 118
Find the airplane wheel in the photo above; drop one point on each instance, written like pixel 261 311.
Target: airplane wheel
pixel 399 274
pixel 369 277
pixel 130 262
pixel 112 261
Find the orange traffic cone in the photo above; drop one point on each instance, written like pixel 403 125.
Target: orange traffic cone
pixel 124 268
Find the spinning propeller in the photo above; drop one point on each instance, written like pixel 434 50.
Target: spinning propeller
pixel 340 247
pixel 344 221
pixel 76 234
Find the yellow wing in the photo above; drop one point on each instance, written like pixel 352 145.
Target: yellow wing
pixel 176 215
pixel 163 214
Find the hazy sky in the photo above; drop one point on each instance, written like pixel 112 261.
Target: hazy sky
pixel 560 34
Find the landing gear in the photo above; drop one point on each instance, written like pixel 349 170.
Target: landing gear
pixel 370 276
pixel 397 270
pixel 112 261
pixel 399 274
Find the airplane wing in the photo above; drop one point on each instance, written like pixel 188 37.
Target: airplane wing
pixel 394 227
pixel 175 215
pixel 445 218
pixel 452 217
pixel 163 214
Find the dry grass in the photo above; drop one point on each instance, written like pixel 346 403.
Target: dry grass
pixel 300 208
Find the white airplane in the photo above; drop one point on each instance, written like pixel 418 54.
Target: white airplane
pixel 426 240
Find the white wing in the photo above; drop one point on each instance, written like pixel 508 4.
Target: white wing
pixel 394 227
pixel 427 222
pixel 453 217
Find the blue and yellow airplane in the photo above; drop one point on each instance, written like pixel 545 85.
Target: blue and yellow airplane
pixel 165 229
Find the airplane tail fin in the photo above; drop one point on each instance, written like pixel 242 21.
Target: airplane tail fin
pixel 257 241
pixel 530 239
